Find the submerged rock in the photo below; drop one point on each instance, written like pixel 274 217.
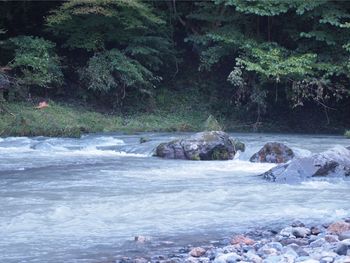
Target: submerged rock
pixel 273 152
pixel 213 145
pixel 334 162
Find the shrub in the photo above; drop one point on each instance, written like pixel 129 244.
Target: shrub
pixel 35 64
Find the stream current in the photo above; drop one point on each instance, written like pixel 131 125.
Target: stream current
pixel 84 200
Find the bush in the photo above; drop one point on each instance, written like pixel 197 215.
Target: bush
pixel 35 64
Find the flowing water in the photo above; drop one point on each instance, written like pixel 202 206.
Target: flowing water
pixel 84 200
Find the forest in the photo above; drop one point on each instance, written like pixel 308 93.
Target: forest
pixel 280 66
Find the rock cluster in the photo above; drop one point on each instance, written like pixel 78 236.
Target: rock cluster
pixel 294 243
pixel 211 145
pixel 334 162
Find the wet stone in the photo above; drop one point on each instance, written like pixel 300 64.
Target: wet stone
pixel 342 249
pixel 339 227
pixel 197 252
pixel 318 243
pixel 301 232
pixel 344 235
pixel 315 230
pixel 331 238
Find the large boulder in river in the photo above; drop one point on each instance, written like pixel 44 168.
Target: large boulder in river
pixel 211 145
pixel 334 162
pixel 273 152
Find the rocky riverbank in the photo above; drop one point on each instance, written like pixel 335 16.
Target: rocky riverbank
pixel 325 243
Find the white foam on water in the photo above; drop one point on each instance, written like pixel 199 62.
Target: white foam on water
pixel 50 215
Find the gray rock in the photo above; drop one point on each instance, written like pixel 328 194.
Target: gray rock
pixel 301 232
pixel 326 260
pixel 299 250
pixel 252 257
pixel 318 243
pixel 227 258
pixel 197 252
pixel 273 259
pixel 341 249
pixel 297 223
pixel 331 238
pixel 344 235
pixel 287 232
pixel 315 230
pixel 334 162
pixel 342 259
pixel 213 145
pixel 273 152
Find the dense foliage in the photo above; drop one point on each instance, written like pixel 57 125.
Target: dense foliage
pixel 245 58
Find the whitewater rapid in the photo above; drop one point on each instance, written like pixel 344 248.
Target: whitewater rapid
pixel 84 200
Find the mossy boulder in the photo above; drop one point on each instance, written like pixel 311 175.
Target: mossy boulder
pixel 210 145
pixel 273 152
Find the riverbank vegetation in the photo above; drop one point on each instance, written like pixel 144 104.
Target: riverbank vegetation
pixel 169 65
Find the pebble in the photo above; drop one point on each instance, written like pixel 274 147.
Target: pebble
pixel 227 258
pixel 326 260
pixel 331 238
pixel 344 235
pixel 197 252
pixel 315 230
pixel 301 232
pixel 341 249
pixel 318 243
pixel 297 243
pixel 240 239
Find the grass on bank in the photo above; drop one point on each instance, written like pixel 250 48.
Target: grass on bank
pixel 22 119
pixel 347 134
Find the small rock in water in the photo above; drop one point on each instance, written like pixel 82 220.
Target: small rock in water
pixel 241 240
pixel 197 252
pixel 144 139
pixel 141 239
pixel 339 227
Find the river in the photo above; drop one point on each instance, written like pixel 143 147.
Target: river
pixel 84 200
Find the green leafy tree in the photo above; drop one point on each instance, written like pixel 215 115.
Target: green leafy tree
pixel 298 45
pixel 125 43
pixel 34 64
